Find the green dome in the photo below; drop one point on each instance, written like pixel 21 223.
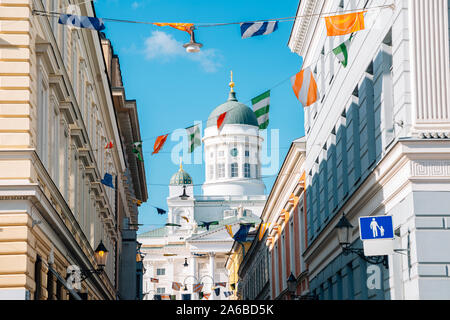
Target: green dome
pixel 237 113
pixel 180 178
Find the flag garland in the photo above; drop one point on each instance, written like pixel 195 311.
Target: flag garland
pixel 222 284
pixel 197 287
pixel 176 286
pixel 82 21
pixel 159 143
pixel 172 225
pixel 341 51
pixel 109 145
pixel 206 295
pixel 207 224
pixel 252 29
pixel 343 24
pixel 221 120
pixel 261 106
pixel 137 150
pixel 262 230
pixel 229 229
pixel 194 136
pixel 180 26
pixel 160 211
pixel 107 180
pixel 305 87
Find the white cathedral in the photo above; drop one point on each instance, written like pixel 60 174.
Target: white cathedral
pixel 233 193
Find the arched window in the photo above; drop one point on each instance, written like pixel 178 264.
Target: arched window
pixel 234 170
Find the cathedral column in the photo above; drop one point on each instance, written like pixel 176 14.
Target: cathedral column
pixel 193 272
pixel 211 273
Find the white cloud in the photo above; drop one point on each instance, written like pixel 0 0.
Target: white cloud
pixel 165 47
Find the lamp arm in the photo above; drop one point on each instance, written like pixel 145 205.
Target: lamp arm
pixel 372 260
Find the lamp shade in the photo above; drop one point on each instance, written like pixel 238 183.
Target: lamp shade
pixel 292 283
pixel 184 196
pixel 192 46
pixel 101 254
pixel 344 231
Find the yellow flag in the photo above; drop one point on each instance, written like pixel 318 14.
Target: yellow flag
pixel 229 230
pixel 262 230
pixel 345 23
pixel 180 26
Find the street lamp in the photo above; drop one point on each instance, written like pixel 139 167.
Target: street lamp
pixel 343 228
pixel 185 263
pixel 184 196
pixel 192 46
pixel 292 285
pixel 101 256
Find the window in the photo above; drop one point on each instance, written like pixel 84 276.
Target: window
pixel 247 153
pixel 211 171
pixel 50 292
pixel 160 290
pixel 234 170
pixel 247 170
pixel 42 118
pixel 37 277
pixel 221 153
pixel 160 272
pixel 220 170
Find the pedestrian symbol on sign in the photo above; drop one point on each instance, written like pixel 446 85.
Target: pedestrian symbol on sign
pixel 374 226
pixel 380 227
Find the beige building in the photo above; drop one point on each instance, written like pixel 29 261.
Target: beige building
pixel 58 111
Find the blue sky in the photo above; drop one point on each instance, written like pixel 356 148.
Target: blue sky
pixel 174 88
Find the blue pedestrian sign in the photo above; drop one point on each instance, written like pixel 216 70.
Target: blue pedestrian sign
pixel 373 228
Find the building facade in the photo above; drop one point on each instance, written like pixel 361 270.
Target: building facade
pixel 275 253
pixel 57 115
pixel 187 251
pixel 378 144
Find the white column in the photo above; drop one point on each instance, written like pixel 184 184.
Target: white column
pixel 211 273
pixel 193 272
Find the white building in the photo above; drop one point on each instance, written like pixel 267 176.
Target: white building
pixel 233 193
pixel 378 144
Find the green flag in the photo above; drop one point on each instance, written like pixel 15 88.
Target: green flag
pixel 194 136
pixel 137 150
pixel 341 52
pixel 261 106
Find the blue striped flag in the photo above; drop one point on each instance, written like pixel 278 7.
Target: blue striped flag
pixel 251 29
pixel 82 21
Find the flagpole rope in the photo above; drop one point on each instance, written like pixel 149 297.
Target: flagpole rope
pixel 392 6
pixel 205 24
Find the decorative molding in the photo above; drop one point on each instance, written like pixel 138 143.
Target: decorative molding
pixel 430 168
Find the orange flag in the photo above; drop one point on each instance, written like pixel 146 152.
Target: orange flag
pixel 220 120
pixel 180 26
pixel 305 87
pixel 293 200
pixel 345 23
pixel 285 215
pixel 159 143
pixel 303 180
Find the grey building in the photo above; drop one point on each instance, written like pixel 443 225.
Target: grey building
pixel 378 144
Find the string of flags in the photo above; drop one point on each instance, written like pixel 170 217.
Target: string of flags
pixel 303 83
